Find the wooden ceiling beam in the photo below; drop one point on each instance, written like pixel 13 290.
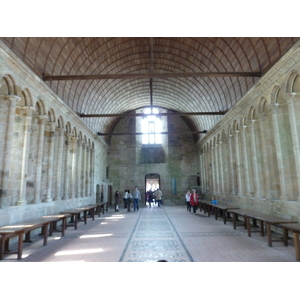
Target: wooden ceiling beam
pixel 149 75
pixel 159 114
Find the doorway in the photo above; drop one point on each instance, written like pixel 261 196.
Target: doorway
pixel 152 183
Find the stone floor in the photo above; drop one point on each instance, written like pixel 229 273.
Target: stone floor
pixel 151 234
pixel 226 261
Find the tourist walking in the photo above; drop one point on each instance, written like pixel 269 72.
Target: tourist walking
pixel 194 200
pixel 188 199
pixel 158 197
pixel 117 201
pixel 129 200
pixel 136 195
pixel 125 196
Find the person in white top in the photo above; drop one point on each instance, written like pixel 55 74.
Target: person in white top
pixel 188 199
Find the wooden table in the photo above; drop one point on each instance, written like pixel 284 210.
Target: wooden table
pixel 205 205
pixel 18 230
pixel 75 213
pixel 263 219
pixel 102 206
pixel 295 229
pixel 222 207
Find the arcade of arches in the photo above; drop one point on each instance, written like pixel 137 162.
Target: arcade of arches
pixel 50 160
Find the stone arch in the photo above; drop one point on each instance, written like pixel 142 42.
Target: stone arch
pixel 68 127
pixel 293 83
pixel 4 86
pixel 274 95
pixel 7 85
pixel 51 115
pixel 40 107
pixel 60 122
pixel 74 132
pixel 262 105
pixel 235 126
pixel 251 113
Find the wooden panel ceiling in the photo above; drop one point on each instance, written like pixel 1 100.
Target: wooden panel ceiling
pixel 186 74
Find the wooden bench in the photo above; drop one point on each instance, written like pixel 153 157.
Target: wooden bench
pixel 263 219
pixel 103 206
pixel 295 229
pixel 76 214
pixel 25 227
pixel 223 208
pixel 205 206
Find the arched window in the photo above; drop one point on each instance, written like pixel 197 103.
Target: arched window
pixel 151 127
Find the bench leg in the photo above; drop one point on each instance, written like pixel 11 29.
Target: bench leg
pixel 248 225
pixel 297 245
pixel 269 234
pixel 285 236
pixel 234 219
pixel 20 246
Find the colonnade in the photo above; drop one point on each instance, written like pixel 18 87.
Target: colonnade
pixel 256 154
pixel 43 160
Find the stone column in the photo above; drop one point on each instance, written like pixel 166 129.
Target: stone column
pixel 60 142
pixel 238 165
pixel 88 167
pixel 248 180
pixel 74 141
pixel 283 188
pixel 291 98
pixel 221 172
pixel 83 169
pixel 257 181
pixel 266 166
pixel 213 172
pixel 50 163
pixel 78 192
pixel 67 167
pixel 27 111
pixel 217 174
pixel 92 171
pixel 6 156
pixel 39 161
pixel 231 172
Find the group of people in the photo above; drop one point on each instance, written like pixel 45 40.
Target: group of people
pixel 154 196
pixel 128 198
pixel 192 200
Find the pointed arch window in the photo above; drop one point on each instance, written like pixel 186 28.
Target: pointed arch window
pixel 151 127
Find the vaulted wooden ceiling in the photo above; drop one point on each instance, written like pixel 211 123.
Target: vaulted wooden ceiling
pixel 114 76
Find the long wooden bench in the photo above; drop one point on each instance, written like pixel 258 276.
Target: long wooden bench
pixel 76 214
pixel 264 219
pixel 216 207
pixel 100 207
pixel 295 229
pixel 25 227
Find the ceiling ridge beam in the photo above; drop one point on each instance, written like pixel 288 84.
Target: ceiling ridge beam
pixel 149 75
pixel 82 115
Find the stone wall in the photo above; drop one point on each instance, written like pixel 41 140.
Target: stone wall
pixel 50 160
pixel 252 156
pixel 127 171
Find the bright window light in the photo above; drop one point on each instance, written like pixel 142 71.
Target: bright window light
pixel 151 127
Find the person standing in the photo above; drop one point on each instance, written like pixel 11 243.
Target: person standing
pixel 158 196
pixel 117 201
pixel 194 200
pixel 129 199
pixel 125 196
pixel 188 199
pixel 136 198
